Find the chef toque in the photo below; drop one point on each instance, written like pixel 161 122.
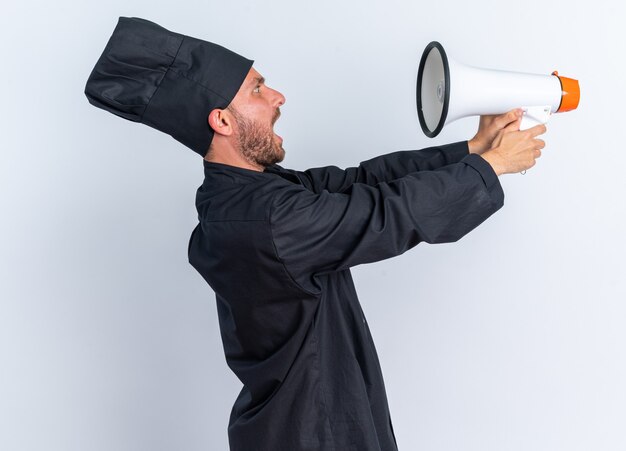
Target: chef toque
pixel 165 80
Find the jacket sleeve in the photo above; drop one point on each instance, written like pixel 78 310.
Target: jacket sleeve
pixel 315 233
pixel 382 168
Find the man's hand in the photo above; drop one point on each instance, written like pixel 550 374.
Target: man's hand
pixel 488 129
pixel 514 150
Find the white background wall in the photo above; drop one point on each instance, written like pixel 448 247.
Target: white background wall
pixel 511 339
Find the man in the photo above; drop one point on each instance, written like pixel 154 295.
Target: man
pixel 276 244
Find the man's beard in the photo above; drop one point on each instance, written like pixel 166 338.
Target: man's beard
pixel 257 143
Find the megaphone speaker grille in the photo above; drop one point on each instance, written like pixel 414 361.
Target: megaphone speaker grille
pixel 433 89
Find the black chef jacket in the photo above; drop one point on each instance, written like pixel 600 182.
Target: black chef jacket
pixel 276 247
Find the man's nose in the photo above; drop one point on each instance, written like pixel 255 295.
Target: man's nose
pixel 280 98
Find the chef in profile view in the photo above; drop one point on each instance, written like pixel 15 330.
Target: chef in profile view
pixel 276 245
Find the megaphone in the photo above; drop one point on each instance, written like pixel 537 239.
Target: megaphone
pixel 448 90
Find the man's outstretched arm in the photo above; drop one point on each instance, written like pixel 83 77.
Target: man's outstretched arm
pixel 382 168
pixel 398 164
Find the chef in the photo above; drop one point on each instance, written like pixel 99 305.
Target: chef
pixel 276 245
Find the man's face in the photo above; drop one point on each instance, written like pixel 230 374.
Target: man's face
pixel 255 109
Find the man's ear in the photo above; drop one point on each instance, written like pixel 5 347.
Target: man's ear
pixel 220 122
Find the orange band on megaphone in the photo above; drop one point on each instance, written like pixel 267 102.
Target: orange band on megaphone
pixel 570 93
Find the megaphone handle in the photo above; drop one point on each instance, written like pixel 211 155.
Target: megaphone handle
pixel 535 115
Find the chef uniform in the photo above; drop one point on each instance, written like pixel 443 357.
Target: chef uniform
pixel 276 246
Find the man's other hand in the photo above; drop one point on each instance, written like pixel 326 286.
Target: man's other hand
pixel 514 150
pixel 489 127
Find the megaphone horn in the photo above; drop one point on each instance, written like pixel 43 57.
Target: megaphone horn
pixel 448 90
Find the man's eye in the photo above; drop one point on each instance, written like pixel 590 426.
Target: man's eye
pixel 257 89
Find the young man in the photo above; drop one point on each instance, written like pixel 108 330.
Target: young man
pixel 276 244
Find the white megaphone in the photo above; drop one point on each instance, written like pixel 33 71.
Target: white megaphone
pixel 448 90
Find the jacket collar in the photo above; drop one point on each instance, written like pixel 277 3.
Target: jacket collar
pixel 242 175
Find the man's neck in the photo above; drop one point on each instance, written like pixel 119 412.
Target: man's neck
pixel 232 160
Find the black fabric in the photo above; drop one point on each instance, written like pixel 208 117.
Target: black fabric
pixel 276 247
pixel 165 80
